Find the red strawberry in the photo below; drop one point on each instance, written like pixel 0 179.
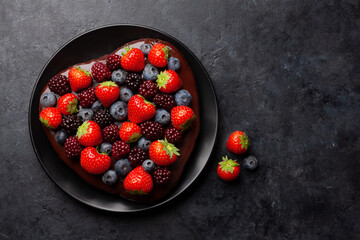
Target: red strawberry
pixel 68 104
pixel 138 181
pixel 182 117
pixel 89 134
pixel 158 55
pixel 100 72
pixel 107 92
pixel 133 60
pixel 51 117
pixel 140 110
pixel 169 81
pixel 79 79
pixel 163 153
pixel 228 169
pixel 113 61
pixel 93 161
pixel 238 142
pixel 129 132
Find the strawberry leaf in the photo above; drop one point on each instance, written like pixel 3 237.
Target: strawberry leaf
pixel 134 137
pixel 83 129
pixel 83 70
pixel 127 49
pixel 187 123
pixel 244 141
pixel 45 122
pixel 108 84
pixel 166 51
pixel 72 106
pixel 169 148
pixel 228 165
pixel 162 79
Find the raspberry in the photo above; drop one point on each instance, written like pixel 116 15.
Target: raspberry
pixel 59 84
pixel 72 147
pixel 120 150
pixel 148 89
pixel 71 123
pixel 133 81
pixel 103 118
pixel 100 72
pixel 137 156
pixel 173 135
pixel 164 101
pixel 161 175
pixel 111 133
pixel 152 130
pixel 113 61
pixel 87 97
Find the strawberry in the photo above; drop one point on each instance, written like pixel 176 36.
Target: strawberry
pixel 168 81
pixel 51 117
pixel 140 110
pixel 238 142
pixel 138 181
pixel 133 59
pixel 79 79
pixel 93 161
pixel 163 153
pixel 228 169
pixel 107 92
pixel 129 132
pixel 68 104
pixel 158 55
pixel 89 134
pixel 182 117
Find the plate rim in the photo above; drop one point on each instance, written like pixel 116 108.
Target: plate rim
pixel 166 199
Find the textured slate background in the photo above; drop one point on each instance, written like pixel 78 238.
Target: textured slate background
pixel 286 72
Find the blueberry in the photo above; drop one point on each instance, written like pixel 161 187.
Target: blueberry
pixel 125 94
pixel 48 100
pixel 105 148
pixel 150 72
pixel 144 144
pixel 85 114
pixel 97 106
pixel 118 76
pixel 174 63
pixel 61 136
pixel 145 48
pixel 119 111
pixel 162 116
pixel 122 167
pixel 148 165
pixel 250 162
pixel 183 98
pixel 110 177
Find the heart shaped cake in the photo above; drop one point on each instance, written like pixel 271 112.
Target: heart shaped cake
pixel 126 122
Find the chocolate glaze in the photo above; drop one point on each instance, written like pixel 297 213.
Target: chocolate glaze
pixel 186 146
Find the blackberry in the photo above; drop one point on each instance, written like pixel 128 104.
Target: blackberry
pixel 133 81
pixel 164 101
pixel 100 72
pixel 71 123
pixel 137 156
pixel 161 175
pixel 113 61
pixel 148 89
pixel 103 118
pixel 72 147
pixel 111 133
pixel 120 150
pixel 173 135
pixel 59 84
pixel 152 130
pixel 87 97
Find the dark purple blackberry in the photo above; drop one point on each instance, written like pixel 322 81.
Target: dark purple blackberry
pixel 164 101
pixel 148 89
pixel 71 123
pixel 120 150
pixel 103 118
pixel 133 81
pixel 111 133
pixel 59 84
pixel 137 156
pixel 152 130
pixel 87 97
pixel 72 147
pixel 173 135
pixel 161 175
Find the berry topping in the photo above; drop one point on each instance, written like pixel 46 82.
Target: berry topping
pixel 97 106
pixel 120 149
pixel 162 116
pixel 71 123
pixel 48 99
pixel 152 130
pixel 148 89
pixel 86 114
pixel 61 136
pixel 123 167
pixel 159 55
pixel 148 165
pixel 51 117
pixel 87 97
pixel 119 76
pixel 113 61
pixel 111 133
pixel 118 111
pixel 164 101
pixel 161 175
pixel 163 153
pixel 169 81
pixel 68 104
pixel 174 64
pixel 144 144
pixel 107 92
pixel 150 72
pixel 138 182
pixel 79 79
pixel 140 110
pixel 100 72
pixel 103 118
pixel 110 177
pixel 145 48
pixel 137 156
pixel 125 94
pixel 105 147
pixel 129 132
pixel 59 84
pixel 133 81
pixel 89 134
pixel 94 162
pixel 72 147
pixel 183 98
pixel 182 117
pixel 173 135
pixel 133 59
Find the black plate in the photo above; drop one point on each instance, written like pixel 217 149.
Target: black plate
pixel 94 44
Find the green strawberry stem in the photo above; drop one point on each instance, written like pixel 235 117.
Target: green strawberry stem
pixel 244 141
pixel 127 49
pixel 169 148
pixel 83 70
pixel 134 137
pixel 228 165
pixel 72 107
pixel 145 101
pixel 187 123
pixel 162 79
pixel 108 84
pixel 83 129
pixel 166 51
pixel 45 122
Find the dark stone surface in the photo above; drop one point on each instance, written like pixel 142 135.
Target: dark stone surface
pixel 286 72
